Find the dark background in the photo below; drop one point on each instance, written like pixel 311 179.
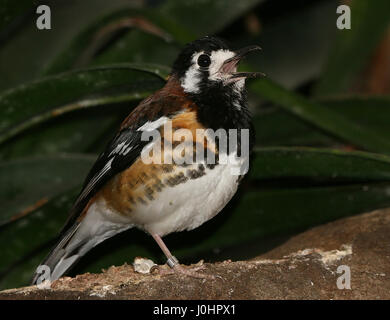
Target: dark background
pixel 322 117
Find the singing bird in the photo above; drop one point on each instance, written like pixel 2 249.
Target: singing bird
pixel 203 92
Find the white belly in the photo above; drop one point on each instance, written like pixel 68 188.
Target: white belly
pixel 184 206
pixel 190 204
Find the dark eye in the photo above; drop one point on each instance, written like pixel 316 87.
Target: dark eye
pixel 204 60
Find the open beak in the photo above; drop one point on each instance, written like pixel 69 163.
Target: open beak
pixel 230 65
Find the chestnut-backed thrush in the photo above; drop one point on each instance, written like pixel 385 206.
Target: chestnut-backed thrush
pixel 121 191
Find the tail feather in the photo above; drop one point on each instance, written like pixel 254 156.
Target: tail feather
pixel 62 256
pixel 77 240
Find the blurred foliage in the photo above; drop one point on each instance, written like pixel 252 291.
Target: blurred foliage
pixel 323 144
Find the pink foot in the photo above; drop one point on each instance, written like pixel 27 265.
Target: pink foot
pixel 187 271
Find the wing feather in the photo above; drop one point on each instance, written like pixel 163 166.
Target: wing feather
pixel 124 149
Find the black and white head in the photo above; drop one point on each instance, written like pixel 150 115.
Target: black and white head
pixel 207 67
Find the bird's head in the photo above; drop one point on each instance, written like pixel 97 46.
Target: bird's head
pixel 208 63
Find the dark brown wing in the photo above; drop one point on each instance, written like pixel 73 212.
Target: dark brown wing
pixel 125 148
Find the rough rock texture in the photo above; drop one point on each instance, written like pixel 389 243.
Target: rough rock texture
pixel 305 267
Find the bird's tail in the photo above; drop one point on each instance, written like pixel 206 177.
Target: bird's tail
pixel 68 250
pixel 75 242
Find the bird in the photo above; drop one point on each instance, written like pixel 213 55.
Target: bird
pixel 124 189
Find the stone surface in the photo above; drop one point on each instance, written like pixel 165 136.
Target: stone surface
pixel 304 267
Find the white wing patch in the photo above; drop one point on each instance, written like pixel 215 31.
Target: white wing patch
pixel 95 179
pixel 122 148
pixel 153 125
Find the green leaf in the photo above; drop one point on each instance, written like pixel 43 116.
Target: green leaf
pixel 27 184
pixel 36 102
pixel 276 127
pixel 70 132
pixel 136 46
pixel 319 165
pixel 29 238
pixel 211 16
pixel 28 49
pixel 11 14
pixel 142 46
pixel 317 115
pixel 353 47
pixel 307 47
pixel 279 127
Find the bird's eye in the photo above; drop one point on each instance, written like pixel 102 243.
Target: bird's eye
pixel 204 60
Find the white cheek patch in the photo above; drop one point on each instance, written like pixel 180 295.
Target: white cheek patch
pixel 191 80
pixel 193 76
pixel 217 60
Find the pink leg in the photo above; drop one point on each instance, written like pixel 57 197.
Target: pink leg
pixel 174 263
pixel 171 259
